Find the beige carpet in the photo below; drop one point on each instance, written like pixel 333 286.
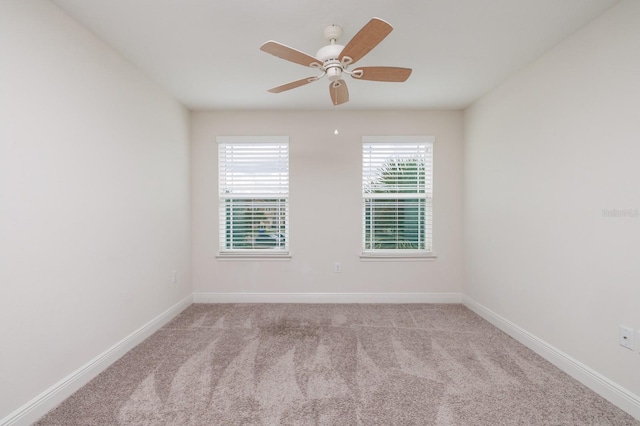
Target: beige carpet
pixel 295 364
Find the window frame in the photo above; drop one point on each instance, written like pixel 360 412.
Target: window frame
pixel 426 216
pixel 223 198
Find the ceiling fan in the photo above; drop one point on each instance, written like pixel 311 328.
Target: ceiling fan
pixel 333 60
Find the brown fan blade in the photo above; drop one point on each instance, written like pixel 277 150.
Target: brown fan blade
pixel 290 54
pixel 366 39
pixel 382 73
pixel 339 92
pixel 293 85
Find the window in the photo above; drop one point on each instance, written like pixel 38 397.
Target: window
pixel 397 191
pixel 253 194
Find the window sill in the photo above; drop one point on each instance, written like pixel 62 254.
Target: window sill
pixel 400 257
pixel 254 256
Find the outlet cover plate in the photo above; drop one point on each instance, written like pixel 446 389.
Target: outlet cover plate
pixel 626 337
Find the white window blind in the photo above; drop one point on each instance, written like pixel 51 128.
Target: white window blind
pixel 253 194
pixel 397 190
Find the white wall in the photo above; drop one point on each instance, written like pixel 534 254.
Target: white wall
pixel 545 153
pixel 94 199
pixel 325 204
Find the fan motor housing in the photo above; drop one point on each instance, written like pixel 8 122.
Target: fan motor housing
pixel 328 52
pixel 329 56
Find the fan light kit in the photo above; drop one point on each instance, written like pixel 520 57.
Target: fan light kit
pixel 333 60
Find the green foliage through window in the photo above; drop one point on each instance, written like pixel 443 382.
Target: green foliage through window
pixel 255 224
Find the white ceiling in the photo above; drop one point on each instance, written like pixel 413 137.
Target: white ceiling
pixel 206 52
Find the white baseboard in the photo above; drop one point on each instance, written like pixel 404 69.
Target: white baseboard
pixel 595 381
pixel 327 298
pixel 50 398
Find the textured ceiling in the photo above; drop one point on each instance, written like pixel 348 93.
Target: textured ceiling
pixel 206 53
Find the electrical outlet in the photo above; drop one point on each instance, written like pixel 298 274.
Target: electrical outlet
pixel 174 277
pixel 626 338
pixel 337 267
